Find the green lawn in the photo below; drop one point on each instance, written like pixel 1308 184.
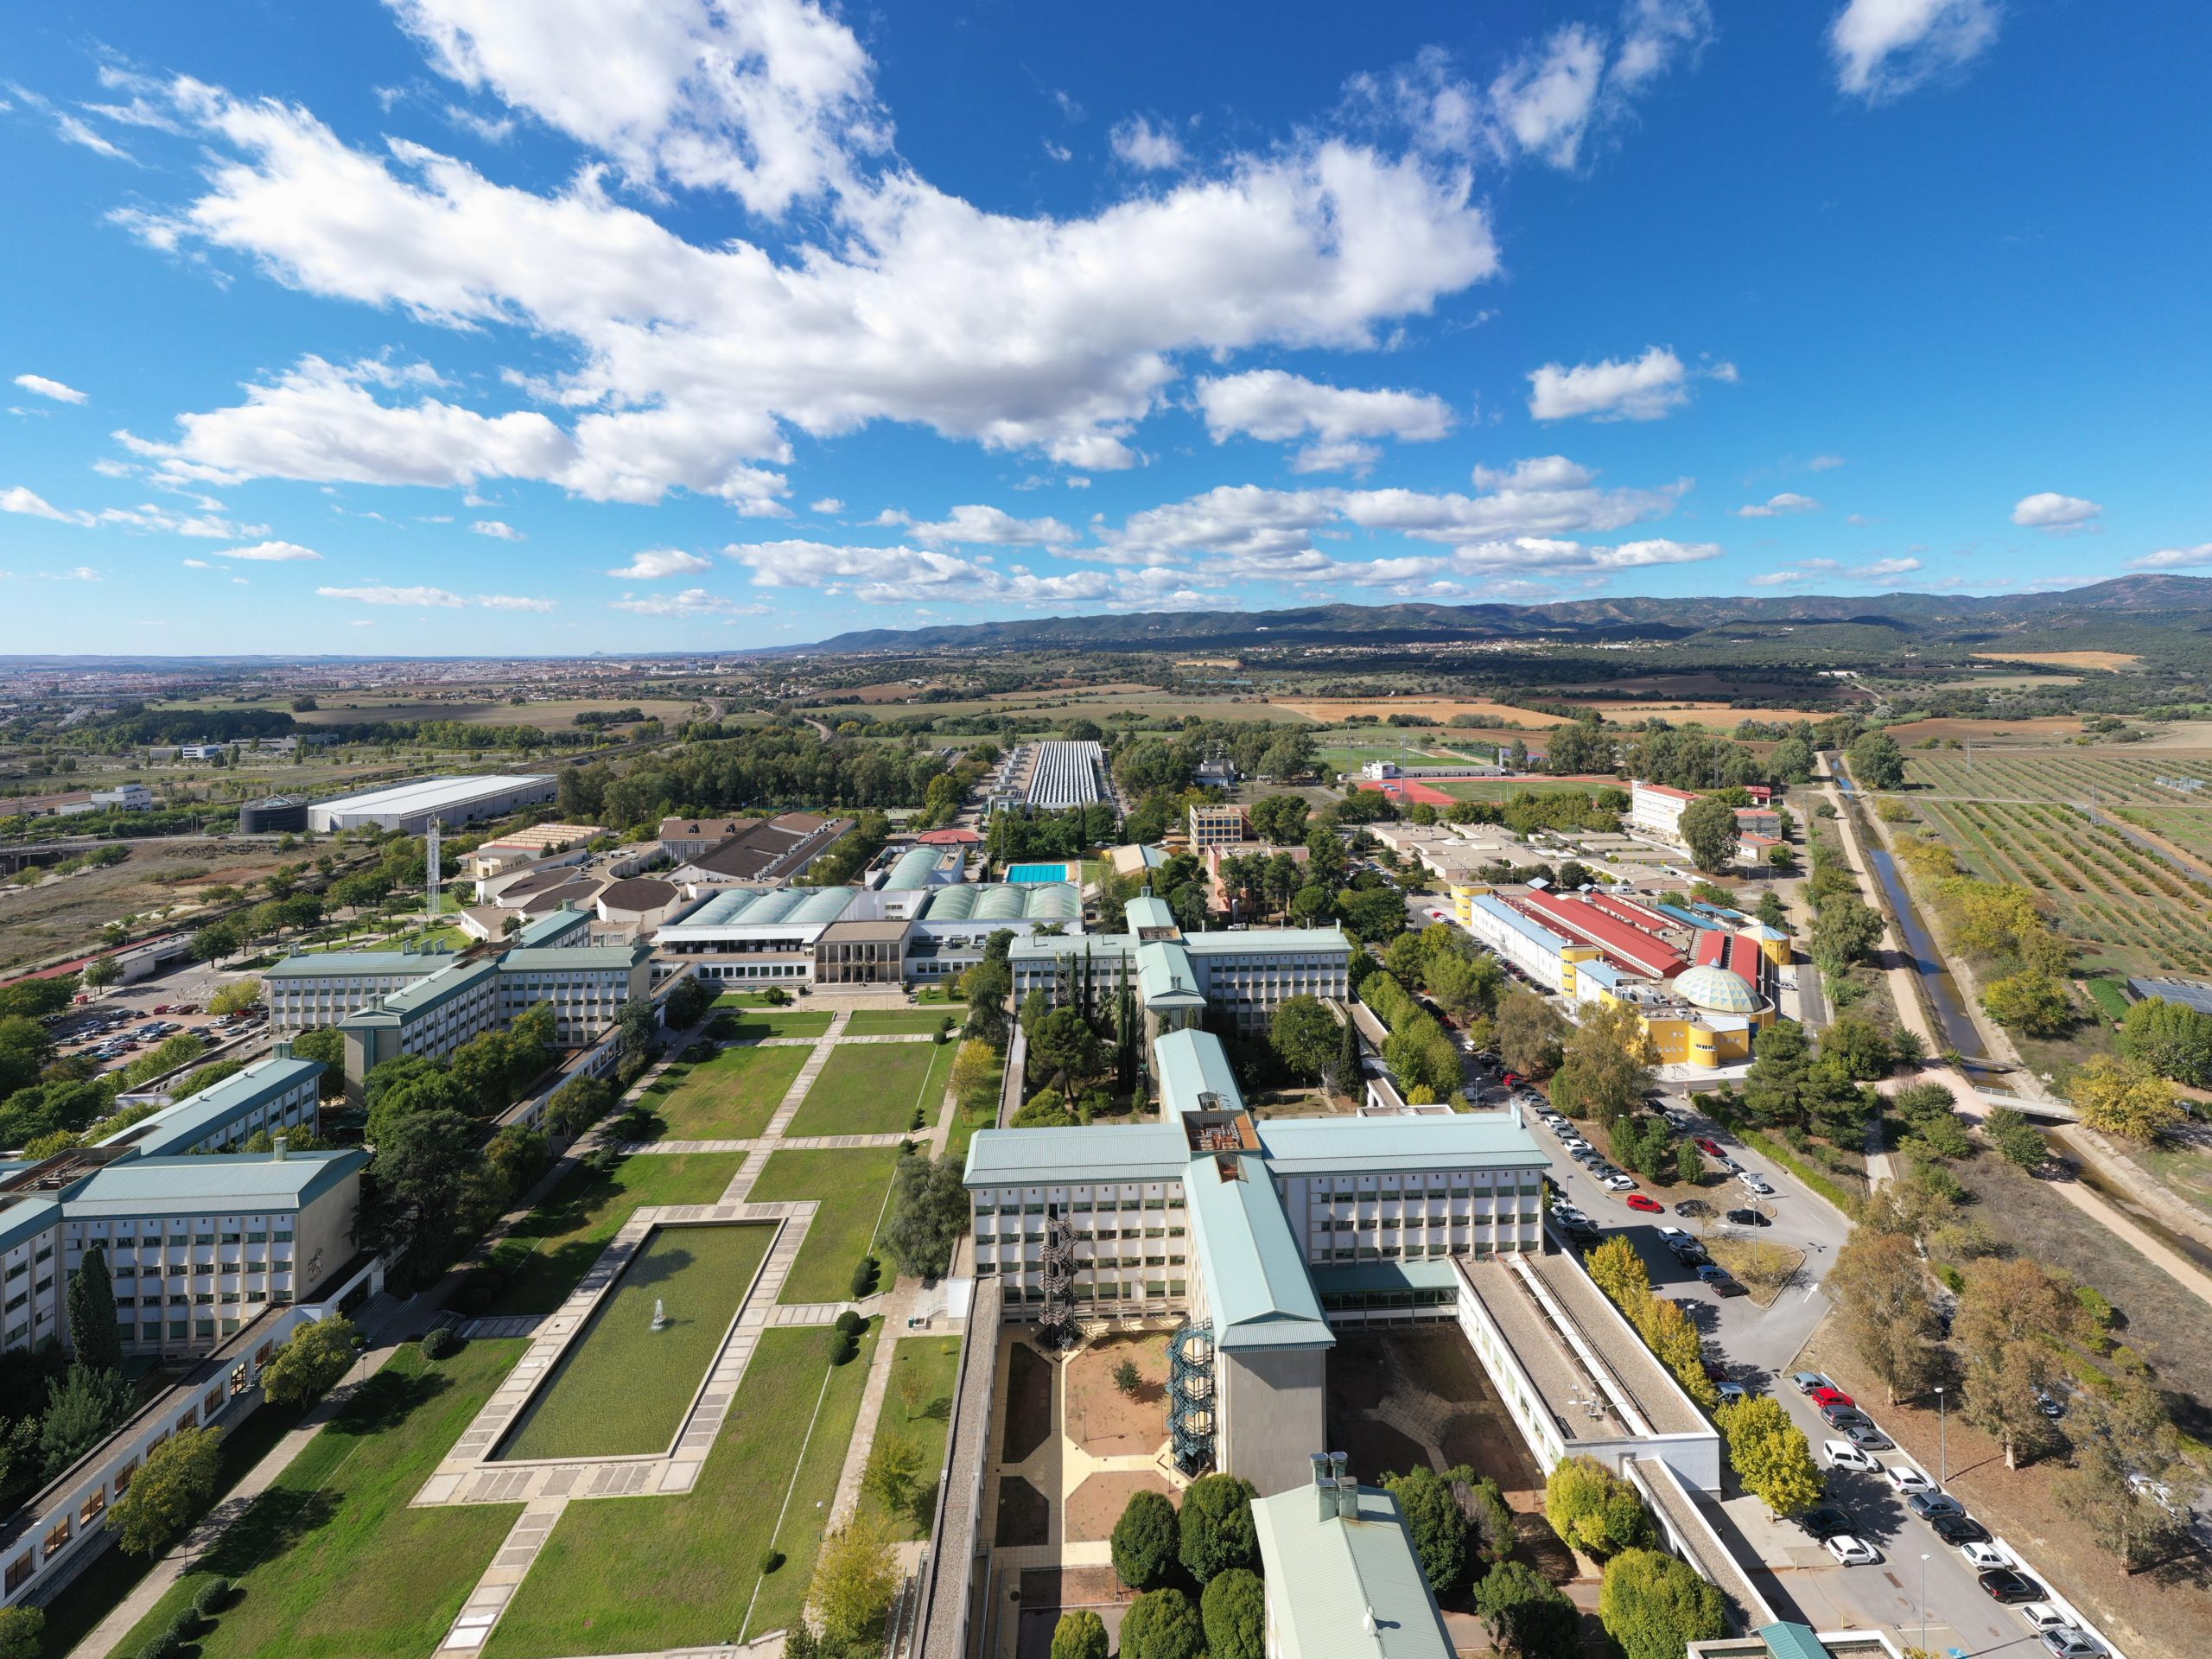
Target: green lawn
pixel 1505 790
pixel 730 1097
pixel 850 1187
pixel 551 1250
pixel 979 1112
pixel 872 1089
pixel 623 1387
pixel 640 1574
pixel 925 1370
pixel 755 1023
pixel 891 1022
pixel 330 1562
pixel 95 1593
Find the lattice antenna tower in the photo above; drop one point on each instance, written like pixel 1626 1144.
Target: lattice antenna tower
pixel 431 861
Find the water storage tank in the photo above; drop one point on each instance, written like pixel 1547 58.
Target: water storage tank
pixel 277 816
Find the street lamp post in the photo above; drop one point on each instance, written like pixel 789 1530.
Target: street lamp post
pixel 1942 1439
pixel 1923 1604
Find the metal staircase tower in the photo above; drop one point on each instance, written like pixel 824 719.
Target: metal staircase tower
pixel 1058 1317
pixel 1190 1397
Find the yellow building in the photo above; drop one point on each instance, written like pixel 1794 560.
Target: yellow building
pixel 1704 1017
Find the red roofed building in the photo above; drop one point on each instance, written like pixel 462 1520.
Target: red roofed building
pixel 948 838
pixel 1628 947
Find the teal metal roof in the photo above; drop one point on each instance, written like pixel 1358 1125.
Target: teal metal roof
pixel 754 907
pixel 1148 910
pixel 995 901
pixel 1165 978
pixel 912 869
pixel 1258 1291
pixel 24 1215
pixel 1325 1578
pixel 340 964
pixel 546 930
pixel 216 1184
pixel 1098 1152
pixel 1300 1146
pixel 574 959
pixel 1191 1064
pixel 195 1117
pixel 1786 1640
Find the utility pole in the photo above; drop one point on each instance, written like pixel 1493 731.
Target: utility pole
pixel 431 859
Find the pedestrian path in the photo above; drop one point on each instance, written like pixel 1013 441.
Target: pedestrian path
pixel 502 1326
pixel 789 1143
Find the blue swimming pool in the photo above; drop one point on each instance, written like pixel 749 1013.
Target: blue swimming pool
pixel 1028 874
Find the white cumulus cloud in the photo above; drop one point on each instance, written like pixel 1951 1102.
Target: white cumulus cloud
pixel 2048 510
pixel 983 526
pixel 271 553
pixel 691 605
pixel 53 389
pixel 437 598
pixel 2174 558
pixel 654 562
pixel 1646 388
pixel 1775 506
pixel 497 530
pixel 1142 144
pixel 1275 406
pixel 516 602
pixel 1884 48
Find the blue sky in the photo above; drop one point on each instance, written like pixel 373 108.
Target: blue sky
pixel 457 326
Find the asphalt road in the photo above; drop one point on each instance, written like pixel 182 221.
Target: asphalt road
pixel 1759 1346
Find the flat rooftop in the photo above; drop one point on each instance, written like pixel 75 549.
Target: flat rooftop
pixel 425 793
pixel 1632 1366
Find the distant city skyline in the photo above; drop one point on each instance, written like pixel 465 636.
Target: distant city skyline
pixel 443 329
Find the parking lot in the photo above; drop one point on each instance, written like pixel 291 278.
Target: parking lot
pixel 117 1025
pixel 1756 1348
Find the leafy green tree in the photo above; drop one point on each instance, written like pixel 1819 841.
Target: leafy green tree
pixel 1776 1087
pixel 1216 1526
pixel 855 1576
pixel 1371 915
pixel 1526 1615
pixel 1845 930
pixel 170 1493
pixel 2031 1002
pixel 1707 828
pixel 1305 1034
pixel 1690 1164
pixel 310 1362
pixel 893 1473
pixel 1655 1605
pixel 1144 1540
pixel 1162 1624
pixel 1594 1510
pixel 420 1171
pixel 1770 1454
pixel 929 1212
pixel 22 1633
pixel 639 1024
pixel 92 1336
pixel 1079 1635
pixel 2172 1039
pixel 2124 1441
pixel 2125 1098
pixel 1234 1609
pixel 1876 761
pixel 1605 1067
pixel 1434 1522
pixel 1880 1287
pixel 82 1407
pixel 2018 1140
pixel 1528 1033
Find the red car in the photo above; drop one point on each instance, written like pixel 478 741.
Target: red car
pixel 1832 1397
pixel 1639 1201
pixel 1510 1079
pixel 1711 1148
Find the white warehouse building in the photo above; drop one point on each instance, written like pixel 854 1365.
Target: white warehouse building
pixel 411 806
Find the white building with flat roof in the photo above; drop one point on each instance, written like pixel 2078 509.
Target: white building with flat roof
pixel 411 806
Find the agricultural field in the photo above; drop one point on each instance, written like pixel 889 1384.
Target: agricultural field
pixel 2111 662
pixel 1334 710
pixel 1505 789
pixel 555 714
pixel 2130 909
pixel 2119 777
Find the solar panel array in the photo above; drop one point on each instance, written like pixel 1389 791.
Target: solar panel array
pixel 1068 774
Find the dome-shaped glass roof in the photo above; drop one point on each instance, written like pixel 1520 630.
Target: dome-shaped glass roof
pixel 1715 988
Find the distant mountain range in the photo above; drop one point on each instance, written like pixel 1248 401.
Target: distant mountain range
pixel 2154 598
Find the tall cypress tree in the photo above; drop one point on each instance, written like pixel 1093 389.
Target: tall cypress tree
pixel 92 1314
pixel 1348 1058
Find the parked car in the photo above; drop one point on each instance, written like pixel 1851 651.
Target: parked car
pixel 1758 1183
pixel 1853 1551
pixel 2051 1408
pixel 1843 1417
pixel 1710 1147
pixel 2042 1616
pixel 1710 1271
pixel 1805 1381
pixel 1842 1454
pixel 1869 1438
pixel 1725 1286
pixel 1905 1480
pixel 1732 1393
pixel 1961 1529
pixel 1828 1521
pixel 1832 1395
pixel 1748 1218
pixel 2008 1584
pixel 1984 1557
pixel 1638 1201
pixel 1616 1180
pixel 1693 1208
pixel 1928 1505
pixel 2071 1644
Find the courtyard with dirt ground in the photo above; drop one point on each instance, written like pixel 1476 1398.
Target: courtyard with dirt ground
pixel 1103 1420
pixel 1417 1397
